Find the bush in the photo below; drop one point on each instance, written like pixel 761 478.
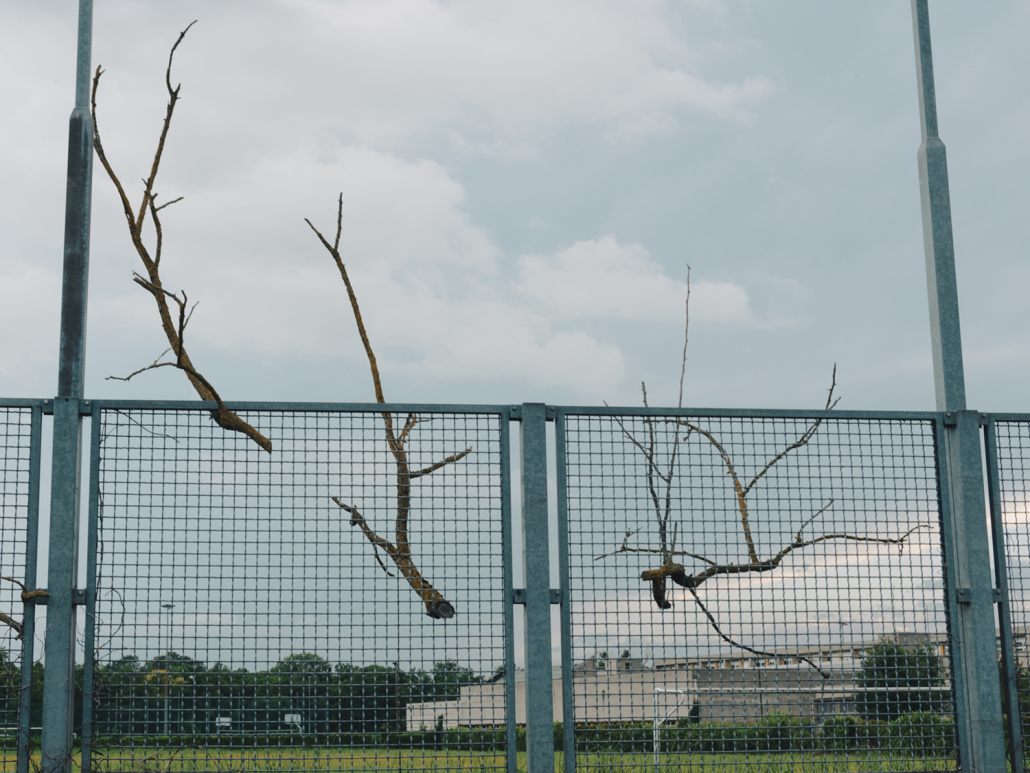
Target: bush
pixel 922 734
pixel 840 733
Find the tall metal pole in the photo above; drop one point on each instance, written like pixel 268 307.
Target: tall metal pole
pixel 971 601
pixel 59 686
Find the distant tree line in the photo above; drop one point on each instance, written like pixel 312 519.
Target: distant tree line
pixel 172 694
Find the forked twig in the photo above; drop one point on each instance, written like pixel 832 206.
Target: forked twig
pixel 224 417
pixel 399 550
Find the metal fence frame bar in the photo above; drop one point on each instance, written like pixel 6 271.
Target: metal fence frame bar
pixel 744 413
pixel 956 652
pixel 29 618
pixel 537 572
pixel 970 593
pixel 89 644
pixel 1010 694
pixel 567 687
pixel 201 405
pixel 508 580
pixel 59 643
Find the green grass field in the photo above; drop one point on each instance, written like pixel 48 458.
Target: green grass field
pixel 300 759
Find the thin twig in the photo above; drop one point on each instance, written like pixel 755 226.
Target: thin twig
pixel 741 645
pixel 686 339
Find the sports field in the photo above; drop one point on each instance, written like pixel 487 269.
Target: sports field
pixel 299 759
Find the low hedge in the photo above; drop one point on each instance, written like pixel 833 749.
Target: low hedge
pixel 917 735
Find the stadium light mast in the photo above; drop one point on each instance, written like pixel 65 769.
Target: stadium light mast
pixel 981 738
pixel 59 686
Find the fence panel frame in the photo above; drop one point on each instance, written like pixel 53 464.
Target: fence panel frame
pixel 505 415
pixel 23 735
pixel 938 419
pixel 1010 696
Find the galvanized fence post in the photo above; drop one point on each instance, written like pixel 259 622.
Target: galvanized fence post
pixel 971 595
pixel 537 572
pixel 59 685
pixel 970 587
pixel 1008 659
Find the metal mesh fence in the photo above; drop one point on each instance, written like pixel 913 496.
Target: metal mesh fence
pixel 1012 451
pixel 756 591
pixel 15 441
pixel 270 611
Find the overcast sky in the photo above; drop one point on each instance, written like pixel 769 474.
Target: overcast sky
pixel 524 184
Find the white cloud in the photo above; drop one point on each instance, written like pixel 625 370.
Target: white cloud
pixel 29 315
pixel 602 278
pixel 505 68
pixel 434 303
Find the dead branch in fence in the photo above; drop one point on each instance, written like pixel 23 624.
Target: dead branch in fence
pixel 659 480
pixel 26 596
pixel 223 417
pixel 399 550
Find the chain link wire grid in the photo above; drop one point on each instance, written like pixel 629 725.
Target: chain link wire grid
pixel 15 442
pixel 1013 455
pixel 243 622
pixel 819 637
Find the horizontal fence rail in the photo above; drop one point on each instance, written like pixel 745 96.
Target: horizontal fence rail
pixel 753 591
pixel 341 603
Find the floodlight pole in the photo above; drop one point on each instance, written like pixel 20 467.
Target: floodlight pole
pixel 59 647
pixel 971 598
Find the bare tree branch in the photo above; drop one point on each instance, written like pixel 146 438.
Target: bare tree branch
pixel 666 550
pixel 18 628
pixel 399 550
pixel 134 220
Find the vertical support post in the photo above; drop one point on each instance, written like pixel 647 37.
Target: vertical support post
pixel 567 672
pixel 29 620
pixel 59 644
pixel 978 703
pixel 93 523
pixel 59 686
pixel 510 726
pixel 1008 658
pixel 537 570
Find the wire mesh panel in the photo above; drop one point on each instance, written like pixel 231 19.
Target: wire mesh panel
pixel 1012 451
pixel 338 604
pixel 15 455
pixel 756 591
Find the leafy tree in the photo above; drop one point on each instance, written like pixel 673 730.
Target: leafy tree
pixel 906 676
pixel 449 678
pixel 1023 695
